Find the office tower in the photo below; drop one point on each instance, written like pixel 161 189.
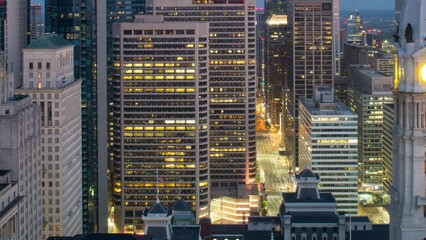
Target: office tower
pixel 388 121
pixel 9 196
pixel 160 117
pixel 260 48
pixel 355 29
pixel 336 37
pixel 408 200
pixel 341 89
pixel 368 92
pixel 83 23
pixel 20 153
pixel 328 144
pixel 311 60
pixel 124 11
pixel 36 22
pixel 49 80
pixel 276 68
pixel 232 81
pixel 278 7
pixel 3 15
pixel 18 29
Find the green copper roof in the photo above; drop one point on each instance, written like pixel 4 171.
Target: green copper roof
pixel 51 41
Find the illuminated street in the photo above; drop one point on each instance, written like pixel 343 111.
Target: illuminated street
pixel 273 170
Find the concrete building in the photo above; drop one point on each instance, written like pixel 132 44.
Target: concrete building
pixel 17 36
pixel 276 69
pixel 328 144
pixel 387 143
pixel 49 80
pixel 36 21
pixel 408 199
pixel 10 201
pixel 159 117
pixel 369 91
pixel 20 153
pixel 232 86
pixel 312 60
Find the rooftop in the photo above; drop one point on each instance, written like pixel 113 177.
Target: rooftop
pixel 314 217
pixel 4 172
pixel 338 108
pixel 49 41
pixel 324 198
pixel 186 232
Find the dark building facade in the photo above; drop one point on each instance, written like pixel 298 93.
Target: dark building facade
pixel 83 23
pixel 276 68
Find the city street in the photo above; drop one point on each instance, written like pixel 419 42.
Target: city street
pixel 273 170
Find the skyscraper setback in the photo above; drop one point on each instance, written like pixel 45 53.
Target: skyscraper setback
pixel 232 76
pixel 311 60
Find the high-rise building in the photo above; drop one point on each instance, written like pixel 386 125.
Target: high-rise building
pixel 49 80
pixel 3 15
pixel 328 144
pixel 160 117
pixel 368 92
pixel 278 7
pixel 124 11
pixel 84 24
pixel 408 199
pixel 20 153
pixel 312 60
pixel 260 51
pixel 276 68
pixel 232 76
pixel 387 142
pixel 18 29
pixel 9 196
pixel 36 21
pixel 355 29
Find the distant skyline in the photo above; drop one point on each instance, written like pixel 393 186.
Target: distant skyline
pixel 344 4
pixel 360 4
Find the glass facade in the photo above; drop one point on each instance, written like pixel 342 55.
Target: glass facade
pixel 75 20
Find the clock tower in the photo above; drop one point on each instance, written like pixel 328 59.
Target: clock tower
pixel 408 191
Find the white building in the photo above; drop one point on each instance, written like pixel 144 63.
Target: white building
pixel 232 81
pixel 49 80
pixel 20 153
pixel 408 199
pixel 328 144
pixel 159 141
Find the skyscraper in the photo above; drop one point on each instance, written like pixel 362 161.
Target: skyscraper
pixel 312 60
pixel 17 36
pixel 232 76
pixel 36 21
pixel 49 80
pixel 83 23
pixel 160 117
pixel 20 153
pixel 408 199
pixel 328 144
pixel 369 91
pixel 276 68
pixel 354 29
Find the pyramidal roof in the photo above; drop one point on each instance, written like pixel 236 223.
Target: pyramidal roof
pixel 49 41
pixel 307 173
pixel 158 208
pixel 181 206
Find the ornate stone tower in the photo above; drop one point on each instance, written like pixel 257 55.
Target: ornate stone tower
pixel 408 207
